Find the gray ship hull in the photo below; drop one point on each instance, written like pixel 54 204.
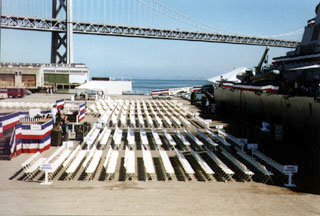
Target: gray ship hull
pixel 296 110
pixel 298 116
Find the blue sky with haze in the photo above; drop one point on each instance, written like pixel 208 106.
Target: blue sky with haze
pixel 165 59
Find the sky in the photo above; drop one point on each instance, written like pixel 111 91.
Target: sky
pixel 160 59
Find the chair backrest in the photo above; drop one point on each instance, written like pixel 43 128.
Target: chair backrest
pixel 166 161
pixel 30 160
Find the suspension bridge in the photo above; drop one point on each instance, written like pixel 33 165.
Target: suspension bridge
pixel 63 18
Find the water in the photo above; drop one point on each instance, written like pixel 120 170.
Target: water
pixel 145 86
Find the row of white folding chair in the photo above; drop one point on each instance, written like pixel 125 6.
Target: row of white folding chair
pixel 185 164
pixel 181 112
pixel 202 163
pixel 32 165
pixel 184 121
pixel 143 137
pixel 202 122
pixel 9 104
pixel 132 120
pixel 225 170
pixel 112 163
pixel 182 138
pixel 129 163
pixel 104 136
pixel 166 163
pixel 56 164
pixel 149 120
pixel 117 136
pixel 70 158
pixel 269 161
pixel 255 163
pixel 86 163
pixel 247 173
pixel 106 162
pixel 123 119
pixel 130 137
pixel 141 120
pixel 25 105
pixel 156 137
pixel 55 155
pixel 219 138
pixel 167 113
pixel 167 120
pixel 230 137
pixel 148 163
pixel 26 164
pixel 37 105
pixel 176 121
pixel 105 116
pixel 91 169
pixel 169 138
pixel 92 136
pixel 206 138
pixel 158 120
pixel 193 137
pixel 75 164
pixel 114 119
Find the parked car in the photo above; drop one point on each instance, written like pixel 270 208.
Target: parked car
pixel 16 92
pixel 161 96
pixel 3 93
pixel 28 92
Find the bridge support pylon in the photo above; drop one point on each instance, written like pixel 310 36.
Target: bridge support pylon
pixel 62 43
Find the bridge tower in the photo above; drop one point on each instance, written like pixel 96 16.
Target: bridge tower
pixel 62 43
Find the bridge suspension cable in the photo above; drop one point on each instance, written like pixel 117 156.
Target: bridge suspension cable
pixel 152 13
pixel 169 15
pixel 220 30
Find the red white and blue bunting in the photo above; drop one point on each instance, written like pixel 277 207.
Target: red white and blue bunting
pixel 82 112
pixel 160 91
pixel 1 130
pixel 9 120
pixel 59 103
pixel 36 137
pixel 268 88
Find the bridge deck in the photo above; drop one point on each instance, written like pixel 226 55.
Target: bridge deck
pixel 59 25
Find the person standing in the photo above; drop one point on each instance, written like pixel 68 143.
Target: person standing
pixel 54 112
pixel 102 95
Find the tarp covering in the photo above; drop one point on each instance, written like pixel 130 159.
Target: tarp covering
pixel 230 76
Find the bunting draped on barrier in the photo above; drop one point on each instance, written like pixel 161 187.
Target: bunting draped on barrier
pixel 160 91
pixel 196 89
pixel 9 120
pixel 1 130
pixel 268 88
pixel 13 142
pixel 36 137
pixel 31 135
pixel 59 103
pixel 82 112
pixel 18 138
pixel 28 137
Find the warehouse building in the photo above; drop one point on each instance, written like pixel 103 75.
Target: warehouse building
pixel 37 76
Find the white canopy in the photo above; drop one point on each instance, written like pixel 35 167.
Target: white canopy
pixel 230 76
pixel 93 85
pixel 109 87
